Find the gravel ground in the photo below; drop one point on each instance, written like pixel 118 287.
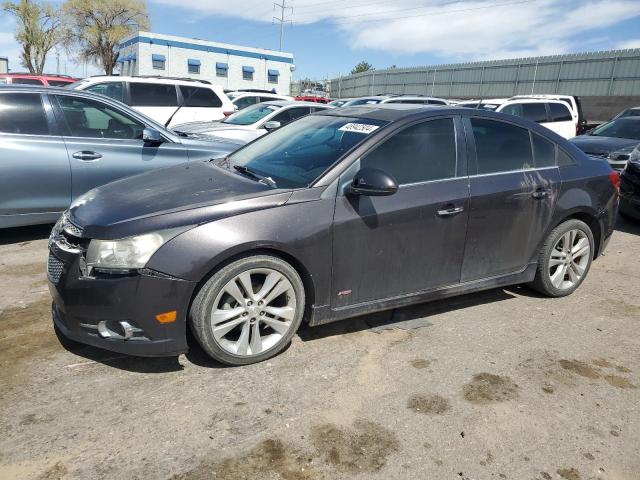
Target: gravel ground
pixel 500 384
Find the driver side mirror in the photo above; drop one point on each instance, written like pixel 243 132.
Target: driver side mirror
pixel 271 125
pixel 372 182
pixel 151 135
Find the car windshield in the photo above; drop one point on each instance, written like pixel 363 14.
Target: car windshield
pixel 251 115
pixel 632 112
pixel 298 153
pixel 621 128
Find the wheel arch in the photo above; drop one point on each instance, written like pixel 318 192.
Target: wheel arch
pixel 588 217
pixel 252 250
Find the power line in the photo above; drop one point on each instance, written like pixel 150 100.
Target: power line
pixel 283 11
pixel 462 10
pixel 366 4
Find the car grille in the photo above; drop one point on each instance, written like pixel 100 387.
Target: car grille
pixel 70 228
pixel 54 268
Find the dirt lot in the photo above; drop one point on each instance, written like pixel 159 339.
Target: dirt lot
pixel 501 384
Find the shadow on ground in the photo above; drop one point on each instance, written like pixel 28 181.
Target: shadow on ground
pixel 24 234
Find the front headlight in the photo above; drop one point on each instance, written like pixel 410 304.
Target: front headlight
pixel 127 253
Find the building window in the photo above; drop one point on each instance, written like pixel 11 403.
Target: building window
pixel 272 76
pixel 247 73
pixel 222 69
pixel 193 66
pixel 158 61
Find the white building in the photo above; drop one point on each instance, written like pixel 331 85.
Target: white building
pixel 4 65
pixel 231 66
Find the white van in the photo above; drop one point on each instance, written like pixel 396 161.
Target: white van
pixel 553 114
pixel 168 101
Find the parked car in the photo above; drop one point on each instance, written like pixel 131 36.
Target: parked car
pixel 169 101
pixel 56 144
pixel 630 187
pixel 253 122
pixel 613 141
pixel 381 99
pixel 339 102
pixel 629 112
pixel 312 98
pixel 244 99
pixel 29 79
pixel 340 213
pixel 491 104
pixel 572 101
pixel 553 114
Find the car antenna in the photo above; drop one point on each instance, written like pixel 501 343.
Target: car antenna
pixel 172 115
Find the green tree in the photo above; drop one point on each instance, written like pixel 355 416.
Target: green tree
pixel 95 28
pixel 37 31
pixel 362 67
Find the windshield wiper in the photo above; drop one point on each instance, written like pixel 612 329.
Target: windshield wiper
pixel 261 178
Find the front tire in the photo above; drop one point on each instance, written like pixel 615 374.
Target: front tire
pixel 565 259
pixel 249 310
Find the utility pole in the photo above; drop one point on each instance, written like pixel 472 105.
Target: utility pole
pixel 282 19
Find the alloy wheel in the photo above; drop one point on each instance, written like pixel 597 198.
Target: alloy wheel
pixel 253 312
pixel 569 259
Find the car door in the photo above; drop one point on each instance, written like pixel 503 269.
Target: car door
pixel 158 101
pixel 410 241
pixel 562 120
pixel 511 197
pixel 105 143
pixel 34 167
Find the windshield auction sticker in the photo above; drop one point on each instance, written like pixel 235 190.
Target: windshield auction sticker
pixel 359 128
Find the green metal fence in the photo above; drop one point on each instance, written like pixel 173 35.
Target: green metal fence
pixel 615 72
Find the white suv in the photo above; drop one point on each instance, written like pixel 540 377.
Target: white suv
pixel 243 99
pixel 553 114
pixel 572 102
pixel 168 101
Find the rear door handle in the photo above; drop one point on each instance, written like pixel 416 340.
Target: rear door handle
pixel 86 155
pixel 450 210
pixel 541 193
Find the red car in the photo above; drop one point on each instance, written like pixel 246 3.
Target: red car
pixel 28 79
pixel 305 98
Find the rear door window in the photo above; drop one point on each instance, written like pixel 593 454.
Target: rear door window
pixel 113 90
pixel 153 95
pixel 559 113
pixel 199 97
pixel 536 112
pixel 22 113
pixel 500 146
pixel 544 151
pixel 419 153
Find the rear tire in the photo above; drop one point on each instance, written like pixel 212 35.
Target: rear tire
pixel 564 260
pixel 249 310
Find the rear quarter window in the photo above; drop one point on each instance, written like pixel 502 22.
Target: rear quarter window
pixel 199 97
pixel 153 95
pixel 559 113
pixel 544 151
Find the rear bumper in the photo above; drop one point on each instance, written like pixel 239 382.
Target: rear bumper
pixel 80 304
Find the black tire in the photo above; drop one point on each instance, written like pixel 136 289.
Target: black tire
pixel 203 304
pixel 542 282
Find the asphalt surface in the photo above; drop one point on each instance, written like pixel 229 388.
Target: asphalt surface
pixel 500 384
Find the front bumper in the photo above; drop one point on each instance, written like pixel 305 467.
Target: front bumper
pixel 81 303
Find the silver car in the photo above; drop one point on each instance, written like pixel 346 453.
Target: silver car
pixel 56 144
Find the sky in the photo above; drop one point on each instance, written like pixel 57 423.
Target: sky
pixel 329 37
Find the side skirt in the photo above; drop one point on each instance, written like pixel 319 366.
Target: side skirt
pixel 325 314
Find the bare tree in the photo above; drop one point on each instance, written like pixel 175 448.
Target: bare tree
pixel 95 28
pixel 37 30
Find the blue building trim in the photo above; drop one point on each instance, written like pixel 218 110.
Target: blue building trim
pixel 194 62
pixel 158 58
pixel 275 73
pixel 222 65
pixel 204 48
pixel 248 69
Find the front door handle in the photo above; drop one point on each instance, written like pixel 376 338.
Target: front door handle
pixel 86 155
pixel 541 193
pixel 450 210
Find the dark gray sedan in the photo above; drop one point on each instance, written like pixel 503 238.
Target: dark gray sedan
pixel 56 144
pixel 338 214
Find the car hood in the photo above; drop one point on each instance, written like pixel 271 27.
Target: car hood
pixel 209 127
pixel 187 194
pixel 601 146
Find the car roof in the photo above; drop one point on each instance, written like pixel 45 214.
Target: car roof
pixel 292 103
pixel 34 88
pixel 160 80
pixel 389 112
